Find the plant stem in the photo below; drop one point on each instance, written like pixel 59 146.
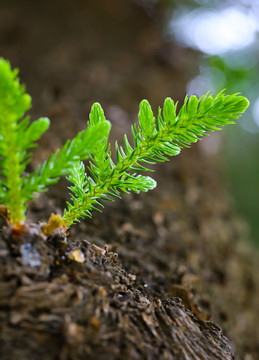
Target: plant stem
pixel 98 190
pixel 12 166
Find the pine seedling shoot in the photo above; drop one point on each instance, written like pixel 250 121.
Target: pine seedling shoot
pixel 153 140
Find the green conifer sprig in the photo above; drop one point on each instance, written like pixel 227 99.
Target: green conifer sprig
pixel 153 141
pixel 18 136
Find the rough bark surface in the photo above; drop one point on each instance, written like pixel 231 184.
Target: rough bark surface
pixel 56 308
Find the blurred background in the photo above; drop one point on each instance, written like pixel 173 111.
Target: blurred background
pixel 225 36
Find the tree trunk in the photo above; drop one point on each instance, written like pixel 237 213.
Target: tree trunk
pixel 151 276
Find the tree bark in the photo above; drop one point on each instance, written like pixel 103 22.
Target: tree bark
pixel 64 309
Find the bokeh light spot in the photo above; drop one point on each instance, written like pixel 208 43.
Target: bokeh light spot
pixel 216 32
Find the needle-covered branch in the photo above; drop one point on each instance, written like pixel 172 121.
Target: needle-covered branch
pixel 18 136
pixel 153 141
